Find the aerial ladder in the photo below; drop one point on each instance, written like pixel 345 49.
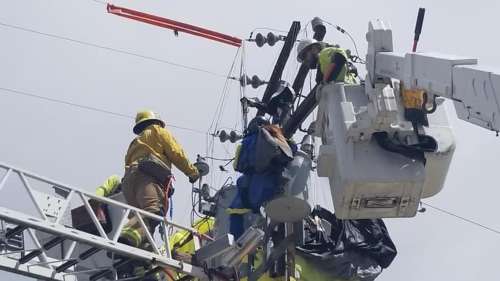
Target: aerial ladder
pixel 74 246
pixel 59 251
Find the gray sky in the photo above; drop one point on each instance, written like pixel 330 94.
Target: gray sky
pixel 82 147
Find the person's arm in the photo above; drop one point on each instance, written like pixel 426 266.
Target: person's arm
pixel 176 154
pixel 108 186
pixel 333 70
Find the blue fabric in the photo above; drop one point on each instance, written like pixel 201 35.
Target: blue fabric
pixel 247 157
pixel 263 187
pixel 293 146
pixel 258 188
pixel 253 189
pixel 236 227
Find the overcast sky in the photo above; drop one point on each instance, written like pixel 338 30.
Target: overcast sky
pixel 82 147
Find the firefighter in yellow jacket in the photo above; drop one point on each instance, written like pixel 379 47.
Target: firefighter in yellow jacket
pixel 143 188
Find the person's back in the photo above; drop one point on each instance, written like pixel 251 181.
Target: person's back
pixel 147 180
pixel 159 142
pixel 333 65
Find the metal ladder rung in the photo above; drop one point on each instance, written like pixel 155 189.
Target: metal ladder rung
pixel 30 256
pixel 16 230
pixel 87 254
pixel 83 256
pixel 47 246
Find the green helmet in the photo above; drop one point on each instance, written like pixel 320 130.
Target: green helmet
pixel 145 116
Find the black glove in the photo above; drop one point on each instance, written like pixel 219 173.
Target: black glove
pixel 193 179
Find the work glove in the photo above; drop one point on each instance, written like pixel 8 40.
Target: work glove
pixel 194 178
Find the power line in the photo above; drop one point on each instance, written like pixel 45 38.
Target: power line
pixel 91 108
pixel 111 49
pixel 462 218
pixel 23 93
pixel 100 2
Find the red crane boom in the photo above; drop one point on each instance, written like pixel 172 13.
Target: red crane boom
pixel 174 25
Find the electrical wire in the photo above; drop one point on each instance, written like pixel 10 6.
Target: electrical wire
pixel 462 218
pixel 219 159
pixel 355 46
pixel 269 29
pixel 111 49
pixel 100 2
pixel 86 107
pixel 212 130
pixel 343 31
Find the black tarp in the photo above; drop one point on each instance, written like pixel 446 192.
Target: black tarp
pixel 352 249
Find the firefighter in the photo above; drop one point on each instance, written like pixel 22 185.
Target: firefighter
pixel 147 178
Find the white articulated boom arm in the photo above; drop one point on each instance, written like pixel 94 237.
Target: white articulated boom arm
pixel 474 90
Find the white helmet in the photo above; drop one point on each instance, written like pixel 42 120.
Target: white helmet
pixel 305 46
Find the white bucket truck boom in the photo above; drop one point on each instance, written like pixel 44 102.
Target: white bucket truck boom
pixel 379 162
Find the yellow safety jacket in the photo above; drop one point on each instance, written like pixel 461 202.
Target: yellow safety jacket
pixel 325 60
pixel 182 242
pixel 159 142
pixel 109 186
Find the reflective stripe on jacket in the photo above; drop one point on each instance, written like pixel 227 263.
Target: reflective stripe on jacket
pixel 182 240
pixel 109 186
pixel 159 142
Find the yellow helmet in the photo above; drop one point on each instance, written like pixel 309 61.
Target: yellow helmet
pixel 144 116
